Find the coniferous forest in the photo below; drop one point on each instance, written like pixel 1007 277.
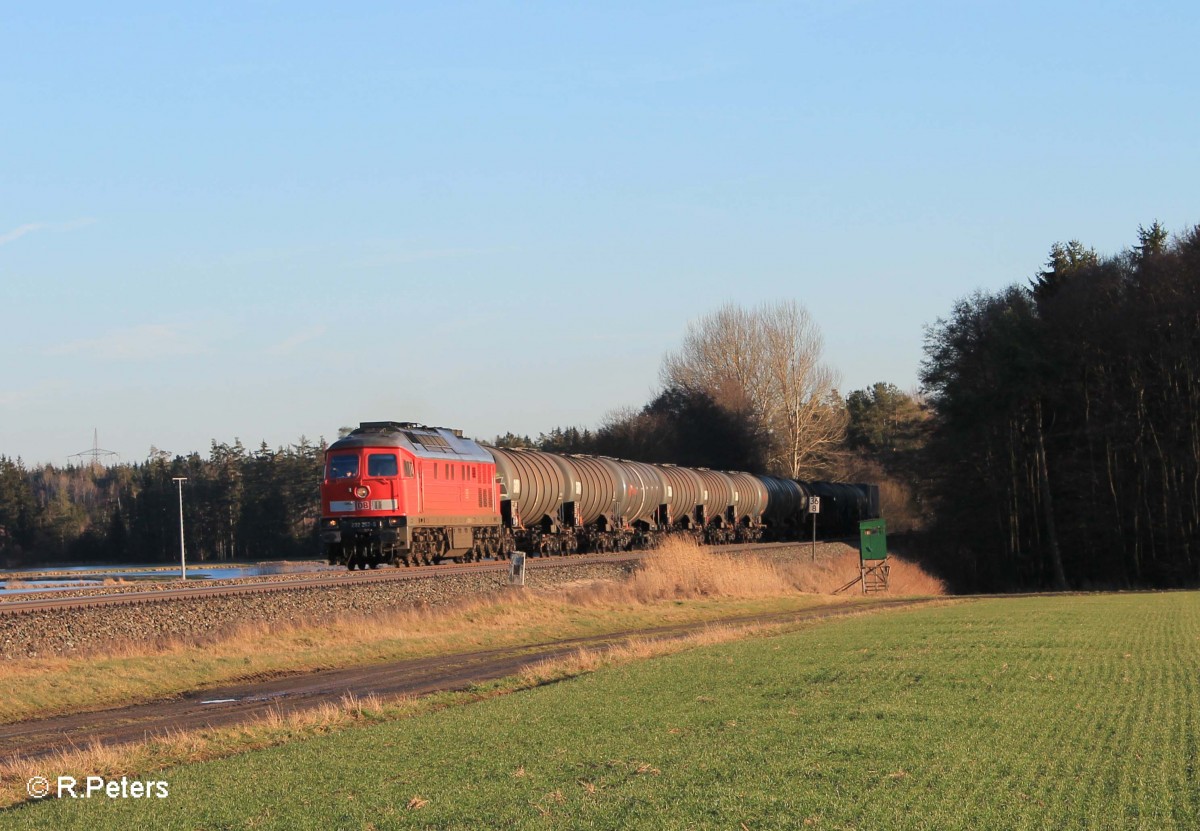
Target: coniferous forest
pixel 238 504
pixel 1054 441
pixel 1065 445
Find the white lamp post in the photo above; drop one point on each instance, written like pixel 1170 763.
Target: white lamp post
pixel 179 480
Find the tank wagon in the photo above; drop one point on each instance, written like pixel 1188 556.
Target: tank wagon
pixel 407 494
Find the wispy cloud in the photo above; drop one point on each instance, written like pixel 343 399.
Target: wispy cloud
pixel 290 345
pixel 146 342
pixel 33 227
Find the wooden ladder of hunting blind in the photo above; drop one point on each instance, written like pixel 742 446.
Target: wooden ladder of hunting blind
pixel 873 566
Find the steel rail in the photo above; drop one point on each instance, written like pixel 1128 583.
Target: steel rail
pixel 9 607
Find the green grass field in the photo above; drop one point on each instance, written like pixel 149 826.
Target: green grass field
pixel 1039 713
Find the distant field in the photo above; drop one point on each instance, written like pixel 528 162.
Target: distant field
pixel 1064 712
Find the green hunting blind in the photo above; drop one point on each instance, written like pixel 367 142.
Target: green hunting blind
pixel 872 555
pixel 872 539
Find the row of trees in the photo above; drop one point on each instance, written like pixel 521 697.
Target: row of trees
pixel 1065 448
pixel 1055 442
pixel 238 504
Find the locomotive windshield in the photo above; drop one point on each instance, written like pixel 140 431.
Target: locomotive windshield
pixel 343 467
pixel 381 464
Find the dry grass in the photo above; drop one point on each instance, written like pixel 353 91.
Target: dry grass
pixel 831 573
pixel 709 584
pixel 276 727
pixel 674 572
pixel 681 570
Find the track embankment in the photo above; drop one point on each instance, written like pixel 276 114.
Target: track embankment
pixel 238 703
pixel 197 617
pixel 52 624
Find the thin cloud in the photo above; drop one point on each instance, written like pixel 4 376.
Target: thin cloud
pixel 147 342
pixel 290 345
pixel 32 227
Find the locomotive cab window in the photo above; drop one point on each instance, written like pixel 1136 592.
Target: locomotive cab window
pixel 382 464
pixel 409 472
pixel 343 467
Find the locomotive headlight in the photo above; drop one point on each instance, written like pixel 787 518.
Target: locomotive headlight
pixel 332 523
pixel 362 491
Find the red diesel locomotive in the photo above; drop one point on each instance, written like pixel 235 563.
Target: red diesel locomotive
pixel 404 493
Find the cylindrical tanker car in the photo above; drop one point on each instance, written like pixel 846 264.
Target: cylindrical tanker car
pixel 408 494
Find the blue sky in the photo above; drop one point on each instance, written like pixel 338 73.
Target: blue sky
pixel 264 220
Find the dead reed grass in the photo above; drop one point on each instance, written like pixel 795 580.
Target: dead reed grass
pixel 828 574
pixel 683 570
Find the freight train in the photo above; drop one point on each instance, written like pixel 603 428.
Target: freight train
pixel 407 494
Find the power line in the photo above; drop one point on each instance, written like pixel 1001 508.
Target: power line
pixel 97 452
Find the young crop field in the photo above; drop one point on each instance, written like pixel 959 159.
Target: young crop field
pixel 1047 712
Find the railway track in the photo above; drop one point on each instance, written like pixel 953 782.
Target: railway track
pixel 348 578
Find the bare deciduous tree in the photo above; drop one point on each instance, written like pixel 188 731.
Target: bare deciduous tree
pixel 765 364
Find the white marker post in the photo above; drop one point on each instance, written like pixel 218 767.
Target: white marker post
pixel 814 508
pixel 179 480
pixel 516 569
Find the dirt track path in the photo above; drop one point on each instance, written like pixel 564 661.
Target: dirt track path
pixel 231 704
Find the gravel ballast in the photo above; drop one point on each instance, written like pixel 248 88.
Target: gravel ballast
pixel 88 629
pixel 76 630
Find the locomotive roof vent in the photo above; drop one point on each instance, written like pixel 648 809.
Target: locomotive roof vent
pixel 387 426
